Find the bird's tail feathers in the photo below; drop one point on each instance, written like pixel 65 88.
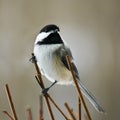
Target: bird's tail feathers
pixel 90 97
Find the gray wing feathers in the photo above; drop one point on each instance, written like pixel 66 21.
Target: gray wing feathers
pixel 64 51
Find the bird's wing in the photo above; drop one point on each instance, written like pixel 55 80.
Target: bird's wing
pixel 64 51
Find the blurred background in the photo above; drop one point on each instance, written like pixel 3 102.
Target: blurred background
pixel 92 30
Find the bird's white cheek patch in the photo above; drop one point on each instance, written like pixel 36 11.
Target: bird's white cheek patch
pixel 42 36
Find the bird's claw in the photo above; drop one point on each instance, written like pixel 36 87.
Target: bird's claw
pixel 44 91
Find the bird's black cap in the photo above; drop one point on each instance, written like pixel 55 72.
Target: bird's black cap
pixel 50 27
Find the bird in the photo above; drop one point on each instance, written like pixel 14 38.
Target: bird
pixel 50 52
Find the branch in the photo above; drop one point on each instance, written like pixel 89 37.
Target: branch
pixel 11 102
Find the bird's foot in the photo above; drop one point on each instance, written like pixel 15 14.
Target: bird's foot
pixel 45 90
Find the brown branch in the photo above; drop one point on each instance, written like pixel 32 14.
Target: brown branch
pixel 5 112
pixel 77 86
pixel 11 102
pixel 79 108
pixel 69 111
pixel 41 82
pixel 57 107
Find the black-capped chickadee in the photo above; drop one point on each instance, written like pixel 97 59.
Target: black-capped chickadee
pixel 50 51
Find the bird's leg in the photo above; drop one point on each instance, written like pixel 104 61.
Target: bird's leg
pixel 45 90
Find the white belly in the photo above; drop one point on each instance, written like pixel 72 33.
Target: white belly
pixel 50 65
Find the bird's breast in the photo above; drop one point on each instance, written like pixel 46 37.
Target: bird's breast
pixel 51 65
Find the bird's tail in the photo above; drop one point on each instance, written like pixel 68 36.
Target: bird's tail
pixel 90 97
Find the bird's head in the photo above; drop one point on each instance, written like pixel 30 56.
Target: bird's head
pixel 49 35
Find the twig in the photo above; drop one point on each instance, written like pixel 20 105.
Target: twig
pixel 69 111
pixel 40 78
pixel 41 108
pixel 39 82
pixel 5 112
pixel 57 106
pixel 29 114
pixel 77 86
pixel 11 102
pixel 79 108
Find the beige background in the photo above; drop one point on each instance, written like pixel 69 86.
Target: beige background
pixel 90 27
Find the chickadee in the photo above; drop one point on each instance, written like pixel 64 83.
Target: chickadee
pixel 50 51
